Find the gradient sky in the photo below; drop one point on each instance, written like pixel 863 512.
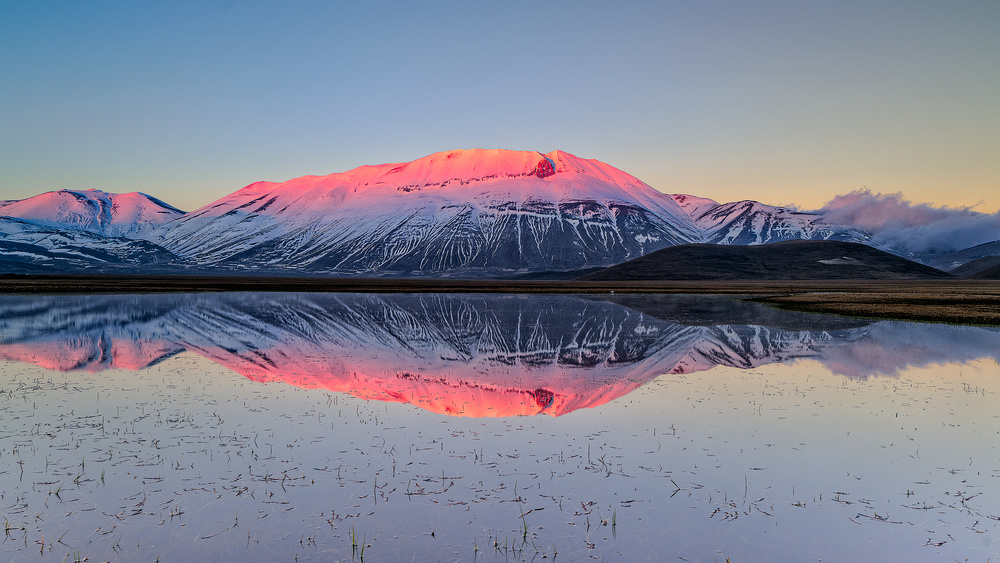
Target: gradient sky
pixel 784 102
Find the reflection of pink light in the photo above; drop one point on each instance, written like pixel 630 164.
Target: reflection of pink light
pixel 482 386
pixel 460 398
pixel 475 389
pixel 93 356
pixel 865 359
pixel 452 388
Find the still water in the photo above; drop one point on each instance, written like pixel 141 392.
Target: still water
pixel 266 427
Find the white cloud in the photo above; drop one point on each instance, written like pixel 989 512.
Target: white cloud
pixel 909 227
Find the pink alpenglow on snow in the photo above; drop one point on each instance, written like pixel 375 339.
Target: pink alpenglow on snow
pixel 462 213
pixel 469 213
pixel 494 210
pixel 93 210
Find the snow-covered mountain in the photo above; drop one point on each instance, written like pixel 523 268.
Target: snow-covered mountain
pixel 952 260
pixel 468 213
pixel 485 210
pixel 481 211
pixel 115 215
pixel 751 222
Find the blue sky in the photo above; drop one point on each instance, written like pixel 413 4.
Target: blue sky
pixel 784 102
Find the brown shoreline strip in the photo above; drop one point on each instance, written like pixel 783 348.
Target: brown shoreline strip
pixel 954 301
pixel 975 305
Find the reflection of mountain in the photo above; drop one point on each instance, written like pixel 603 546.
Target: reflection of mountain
pixel 472 355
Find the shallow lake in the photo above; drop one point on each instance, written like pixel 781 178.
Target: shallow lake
pixel 259 427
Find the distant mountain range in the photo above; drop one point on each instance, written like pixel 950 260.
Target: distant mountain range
pixel 465 213
pixel 969 261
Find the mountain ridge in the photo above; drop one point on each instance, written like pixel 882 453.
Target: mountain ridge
pixel 126 214
pixel 461 213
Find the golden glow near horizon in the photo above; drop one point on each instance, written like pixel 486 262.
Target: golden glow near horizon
pixel 776 102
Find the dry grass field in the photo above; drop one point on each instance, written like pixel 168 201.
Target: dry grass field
pixel 952 301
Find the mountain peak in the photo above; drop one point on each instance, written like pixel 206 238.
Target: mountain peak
pixel 473 165
pixel 458 167
pixel 466 165
pixel 93 210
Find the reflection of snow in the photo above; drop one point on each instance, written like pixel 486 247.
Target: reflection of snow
pixel 473 355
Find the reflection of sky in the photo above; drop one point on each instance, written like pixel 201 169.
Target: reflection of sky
pixel 891 347
pixel 782 462
pixel 785 102
pixel 794 430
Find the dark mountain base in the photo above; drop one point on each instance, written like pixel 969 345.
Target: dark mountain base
pixel 952 301
pixel 789 260
pixel 992 273
pixel 983 266
pixel 699 310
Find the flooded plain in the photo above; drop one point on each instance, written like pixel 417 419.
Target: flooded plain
pixel 261 426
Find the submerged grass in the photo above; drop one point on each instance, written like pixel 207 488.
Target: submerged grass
pixel 189 457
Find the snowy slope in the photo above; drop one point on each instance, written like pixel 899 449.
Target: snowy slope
pixel 487 210
pixel 694 206
pixel 100 212
pixel 953 260
pixel 28 247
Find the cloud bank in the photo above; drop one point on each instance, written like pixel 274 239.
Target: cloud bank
pixel 912 228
